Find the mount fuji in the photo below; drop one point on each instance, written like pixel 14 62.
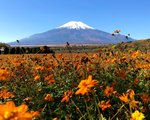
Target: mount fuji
pixel 73 32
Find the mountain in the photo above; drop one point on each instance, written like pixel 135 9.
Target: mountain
pixel 74 33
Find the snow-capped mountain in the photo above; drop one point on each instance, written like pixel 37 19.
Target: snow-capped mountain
pixel 75 25
pixel 74 33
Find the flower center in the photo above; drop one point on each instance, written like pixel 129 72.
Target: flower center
pixel 8 114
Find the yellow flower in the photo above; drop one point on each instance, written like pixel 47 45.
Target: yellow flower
pixel 85 85
pixel 9 111
pixel 137 115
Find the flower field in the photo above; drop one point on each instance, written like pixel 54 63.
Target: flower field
pixel 105 85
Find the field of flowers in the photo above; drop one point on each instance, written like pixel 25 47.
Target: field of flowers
pixel 104 85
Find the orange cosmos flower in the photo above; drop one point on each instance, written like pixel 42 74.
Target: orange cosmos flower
pixel 55 118
pixel 50 79
pixel 124 98
pixel 129 98
pixel 35 113
pixel 117 31
pixel 133 104
pixel 131 94
pixel 9 111
pixel 3 74
pixel 67 95
pixel 5 94
pixel 48 98
pixel 122 74
pixel 37 77
pixel 143 66
pixel 135 54
pixel 39 68
pixel 85 85
pixel 104 105
pixel 95 56
pixel 108 91
pixel 145 98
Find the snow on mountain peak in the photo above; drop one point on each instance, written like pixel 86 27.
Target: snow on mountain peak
pixel 75 25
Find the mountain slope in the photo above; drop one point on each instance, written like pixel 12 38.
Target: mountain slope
pixel 74 33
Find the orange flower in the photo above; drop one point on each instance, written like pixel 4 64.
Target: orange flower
pixel 122 74
pixel 143 66
pixel 50 79
pixel 48 98
pixel 5 94
pixel 9 111
pixel 135 54
pixel 37 77
pixel 95 56
pixel 117 31
pixel 39 68
pixel 3 74
pixel 60 56
pixel 104 105
pixel 35 113
pixel 108 91
pixel 85 85
pixel 136 81
pixel 129 99
pixel 145 98
pixel 131 94
pixel 67 95
pixel 133 104
pixel 55 118
pixel 124 98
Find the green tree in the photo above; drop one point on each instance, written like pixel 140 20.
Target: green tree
pixel 18 50
pixel 6 50
pixel 12 50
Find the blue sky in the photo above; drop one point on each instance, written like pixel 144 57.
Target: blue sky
pixel 22 18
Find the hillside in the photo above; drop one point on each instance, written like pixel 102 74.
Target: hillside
pixel 142 45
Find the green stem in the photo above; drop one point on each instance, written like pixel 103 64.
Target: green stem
pixel 117 112
pixel 130 109
pixel 96 99
pixel 78 109
pixel 87 109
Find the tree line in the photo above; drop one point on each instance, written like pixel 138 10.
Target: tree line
pixel 25 50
